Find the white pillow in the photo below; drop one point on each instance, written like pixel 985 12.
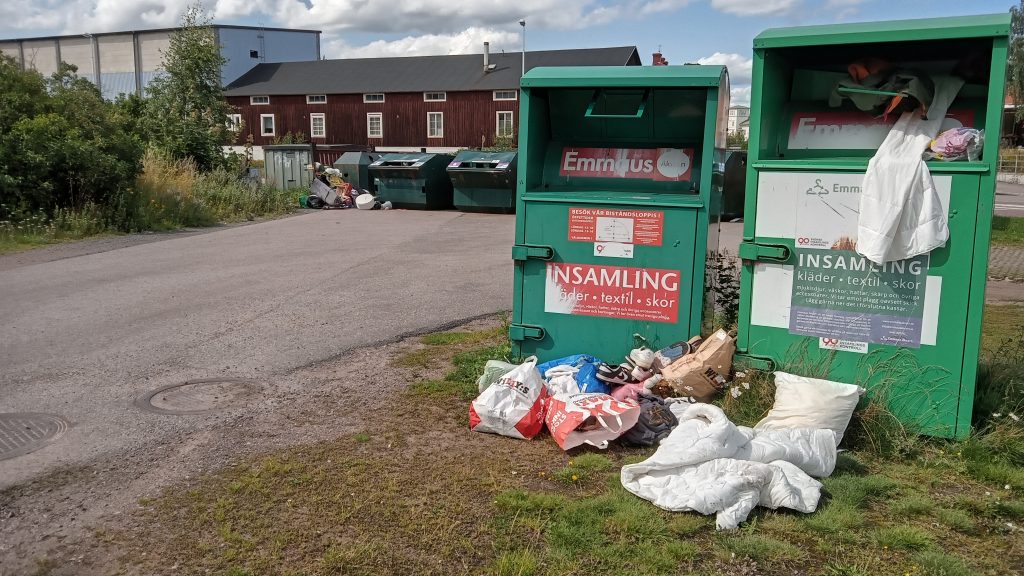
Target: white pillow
pixel 802 402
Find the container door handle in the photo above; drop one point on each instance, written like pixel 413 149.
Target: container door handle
pixel 528 251
pixel 520 332
pixel 770 252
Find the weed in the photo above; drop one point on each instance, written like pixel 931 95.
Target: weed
pixel 912 505
pixel 935 563
pixel 998 473
pixel 753 401
pixel 361 437
pixel 582 468
pixel 835 568
pixel 760 548
pixel 450 338
pixel 1011 509
pixel 903 538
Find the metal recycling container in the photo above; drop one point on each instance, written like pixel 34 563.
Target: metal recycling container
pixel 354 167
pixel 484 181
pixel 908 331
pixel 413 180
pixel 287 165
pixel 618 190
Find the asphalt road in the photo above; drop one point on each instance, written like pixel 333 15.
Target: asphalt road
pixel 1009 199
pixel 84 335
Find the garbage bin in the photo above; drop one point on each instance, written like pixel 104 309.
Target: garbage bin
pixel 734 184
pixel 615 211
pixel 354 167
pixel 484 181
pixel 416 180
pixel 287 165
pixel 908 331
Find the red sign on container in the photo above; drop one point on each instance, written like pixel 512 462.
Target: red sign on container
pixel 641 227
pixel 648 294
pixel 660 164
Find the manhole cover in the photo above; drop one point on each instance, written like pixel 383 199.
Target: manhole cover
pixel 23 432
pixel 198 396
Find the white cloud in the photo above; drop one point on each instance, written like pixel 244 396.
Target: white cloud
pixel 469 41
pixel 739 96
pixel 842 9
pixel 739 66
pixel 755 7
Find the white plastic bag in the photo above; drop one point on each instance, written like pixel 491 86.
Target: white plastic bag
pixel 514 405
pixel 562 380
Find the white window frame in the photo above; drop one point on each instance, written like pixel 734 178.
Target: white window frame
pixel 381 101
pixel 497 124
pixel 254 102
pixel 312 130
pixel 379 116
pixel 263 127
pixel 441 124
pixel 515 96
pixel 234 122
pixel 443 98
pixel 309 96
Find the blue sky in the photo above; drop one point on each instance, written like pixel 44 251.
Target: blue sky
pixel 707 31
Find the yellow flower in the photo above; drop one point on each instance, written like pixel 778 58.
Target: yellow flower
pixel 570 462
pixel 574 478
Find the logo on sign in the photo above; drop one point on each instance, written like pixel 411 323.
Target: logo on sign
pixel 830 342
pixel 663 164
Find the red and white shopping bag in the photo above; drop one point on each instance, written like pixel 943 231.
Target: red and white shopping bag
pixel 512 406
pixel 594 419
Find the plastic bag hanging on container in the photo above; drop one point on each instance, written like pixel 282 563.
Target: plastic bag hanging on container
pixel 513 406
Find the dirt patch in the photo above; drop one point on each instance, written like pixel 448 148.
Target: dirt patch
pixel 58 524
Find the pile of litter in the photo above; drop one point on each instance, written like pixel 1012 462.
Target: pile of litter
pixel 328 190
pixel 704 462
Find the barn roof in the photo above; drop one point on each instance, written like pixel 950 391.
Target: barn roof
pixel 453 73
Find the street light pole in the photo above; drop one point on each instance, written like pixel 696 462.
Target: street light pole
pixel 523 24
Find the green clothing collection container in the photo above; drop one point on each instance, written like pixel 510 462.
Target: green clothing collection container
pixel 287 165
pixel 618 193
pixel 354 167
pixel 484 181
pixel 908 331
pixel 413 180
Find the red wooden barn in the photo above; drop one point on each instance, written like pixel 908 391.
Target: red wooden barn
pixel 436 102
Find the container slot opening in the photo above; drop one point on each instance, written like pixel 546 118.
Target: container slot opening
pixel 607 103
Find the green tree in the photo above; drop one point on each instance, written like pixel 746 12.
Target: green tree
pixel 187 112
pixel 1015 63
pixel 736 140
pixel 61 144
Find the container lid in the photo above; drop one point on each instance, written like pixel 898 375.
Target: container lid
pixel 685 76
pixel 985 25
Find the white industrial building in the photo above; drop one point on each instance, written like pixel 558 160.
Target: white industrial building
pixel 125 62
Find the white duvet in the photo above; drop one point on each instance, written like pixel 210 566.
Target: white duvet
pixel 710 465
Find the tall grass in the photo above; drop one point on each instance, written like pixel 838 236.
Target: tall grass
pixel 168 194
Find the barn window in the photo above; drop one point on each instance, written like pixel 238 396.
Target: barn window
pixel 505 94
pixel 435 124
pixel 259 100
pixel 504 127
pixel 434 96
pixel 373 98
pixel 316 99
pixel 267 124
pixel 375 125
pixel 317 126
pixel 234 122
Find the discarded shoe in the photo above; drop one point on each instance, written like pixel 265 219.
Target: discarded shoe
pixel 641 357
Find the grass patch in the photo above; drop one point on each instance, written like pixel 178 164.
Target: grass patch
pixel 835 518
pixel 583 468
pixel 361 437
pixel 459 337
pixel 760 548
pixel 858 491
pixel 904 538
pixel 912 505
pixel 956 519
pixel 1007 231
pixel 835 568
pixel 460 382
pixel 935 563
pixel 516 563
